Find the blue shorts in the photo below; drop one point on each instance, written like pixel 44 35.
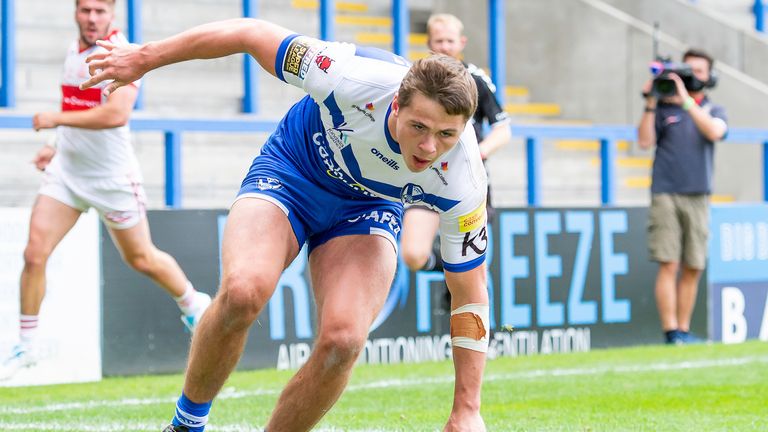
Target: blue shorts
pixel 315 213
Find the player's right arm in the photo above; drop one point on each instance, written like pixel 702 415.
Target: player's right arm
pixel 126 64
pixel 646 129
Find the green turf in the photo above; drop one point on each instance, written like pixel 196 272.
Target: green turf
pixel 654 388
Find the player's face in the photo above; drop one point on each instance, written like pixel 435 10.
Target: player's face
pixel 444 38
pixel 93 18
pixel 425 131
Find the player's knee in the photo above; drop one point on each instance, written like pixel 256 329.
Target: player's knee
pixel 141 262
pixel 414 259
pixel 35 256
pixel 340 347
pixel 243 297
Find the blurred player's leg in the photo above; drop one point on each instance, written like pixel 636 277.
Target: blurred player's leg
pixel 419 229
pixel 666 300
pixel 49 223
pixel 258 245
pixel 351 276
pixel 138 251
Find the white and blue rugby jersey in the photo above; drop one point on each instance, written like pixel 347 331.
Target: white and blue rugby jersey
pixel 340 139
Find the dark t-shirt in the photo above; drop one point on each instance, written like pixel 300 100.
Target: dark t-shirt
pixel 683 159
pixel 488 108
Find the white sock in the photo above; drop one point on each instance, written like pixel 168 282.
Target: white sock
pixel 27 329
pixel 187 301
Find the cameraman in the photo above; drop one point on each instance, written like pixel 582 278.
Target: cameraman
pixel 684 127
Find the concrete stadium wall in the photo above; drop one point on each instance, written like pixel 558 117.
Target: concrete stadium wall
pixel 592 59
pixel 743 48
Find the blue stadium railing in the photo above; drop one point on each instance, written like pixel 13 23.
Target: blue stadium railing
pixel 173 129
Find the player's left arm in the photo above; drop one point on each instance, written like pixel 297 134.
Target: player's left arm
pixel 500 133
pixel 115 112
pixel 499 136
pixel 713 128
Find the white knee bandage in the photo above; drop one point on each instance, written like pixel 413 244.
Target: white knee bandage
pixel 470 327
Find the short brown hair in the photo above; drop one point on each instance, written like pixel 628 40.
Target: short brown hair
pixel 444 80
pixel 77 2
pixel 698 53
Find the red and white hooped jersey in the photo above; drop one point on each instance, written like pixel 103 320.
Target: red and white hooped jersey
pixel 91 152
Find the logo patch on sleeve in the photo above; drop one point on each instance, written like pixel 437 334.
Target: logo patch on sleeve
pixel 472 220
pixel 293 57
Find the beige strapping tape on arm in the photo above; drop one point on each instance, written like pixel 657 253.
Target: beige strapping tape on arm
pixel 470 327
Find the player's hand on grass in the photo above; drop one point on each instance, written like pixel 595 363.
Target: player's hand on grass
pixel 43 157
pixel 121 64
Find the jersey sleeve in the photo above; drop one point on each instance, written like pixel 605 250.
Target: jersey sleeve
pixel 313 65
pixel 463 232
pixel 464 236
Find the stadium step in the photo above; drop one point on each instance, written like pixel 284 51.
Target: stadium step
pixel 533 108
pixel 587 145
pixel 354 7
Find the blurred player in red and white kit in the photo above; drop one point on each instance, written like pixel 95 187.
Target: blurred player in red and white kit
pixel 91 164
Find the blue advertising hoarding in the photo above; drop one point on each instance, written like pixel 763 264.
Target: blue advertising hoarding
pixel 559 280
pixel 738 273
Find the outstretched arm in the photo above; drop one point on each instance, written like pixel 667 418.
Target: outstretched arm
pixel 469 304
pixel 126 64
pixel 500 135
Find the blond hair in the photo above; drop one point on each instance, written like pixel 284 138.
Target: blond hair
pixel 444 80
pixel 445 19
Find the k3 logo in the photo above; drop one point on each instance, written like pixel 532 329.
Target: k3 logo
pixel 477 242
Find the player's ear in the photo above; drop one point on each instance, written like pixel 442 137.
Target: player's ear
pixel 395 106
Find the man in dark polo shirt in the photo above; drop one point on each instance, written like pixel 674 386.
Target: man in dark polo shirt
pixel 684 128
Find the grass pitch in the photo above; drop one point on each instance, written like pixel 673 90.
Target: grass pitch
pixel 652 388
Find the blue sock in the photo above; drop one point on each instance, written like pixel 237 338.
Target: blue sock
pixel 190 414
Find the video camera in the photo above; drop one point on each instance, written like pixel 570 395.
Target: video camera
pixel 663 85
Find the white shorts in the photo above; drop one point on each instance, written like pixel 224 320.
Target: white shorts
pixel 120 201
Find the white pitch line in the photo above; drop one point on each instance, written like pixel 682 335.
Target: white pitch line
pixel 398 383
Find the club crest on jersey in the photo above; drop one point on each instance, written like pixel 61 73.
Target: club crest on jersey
pixel 323 62
pixel 268 183
pixel 412 193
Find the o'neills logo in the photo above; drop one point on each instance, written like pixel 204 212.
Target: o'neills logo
pixel 390 162
pixel 364 112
